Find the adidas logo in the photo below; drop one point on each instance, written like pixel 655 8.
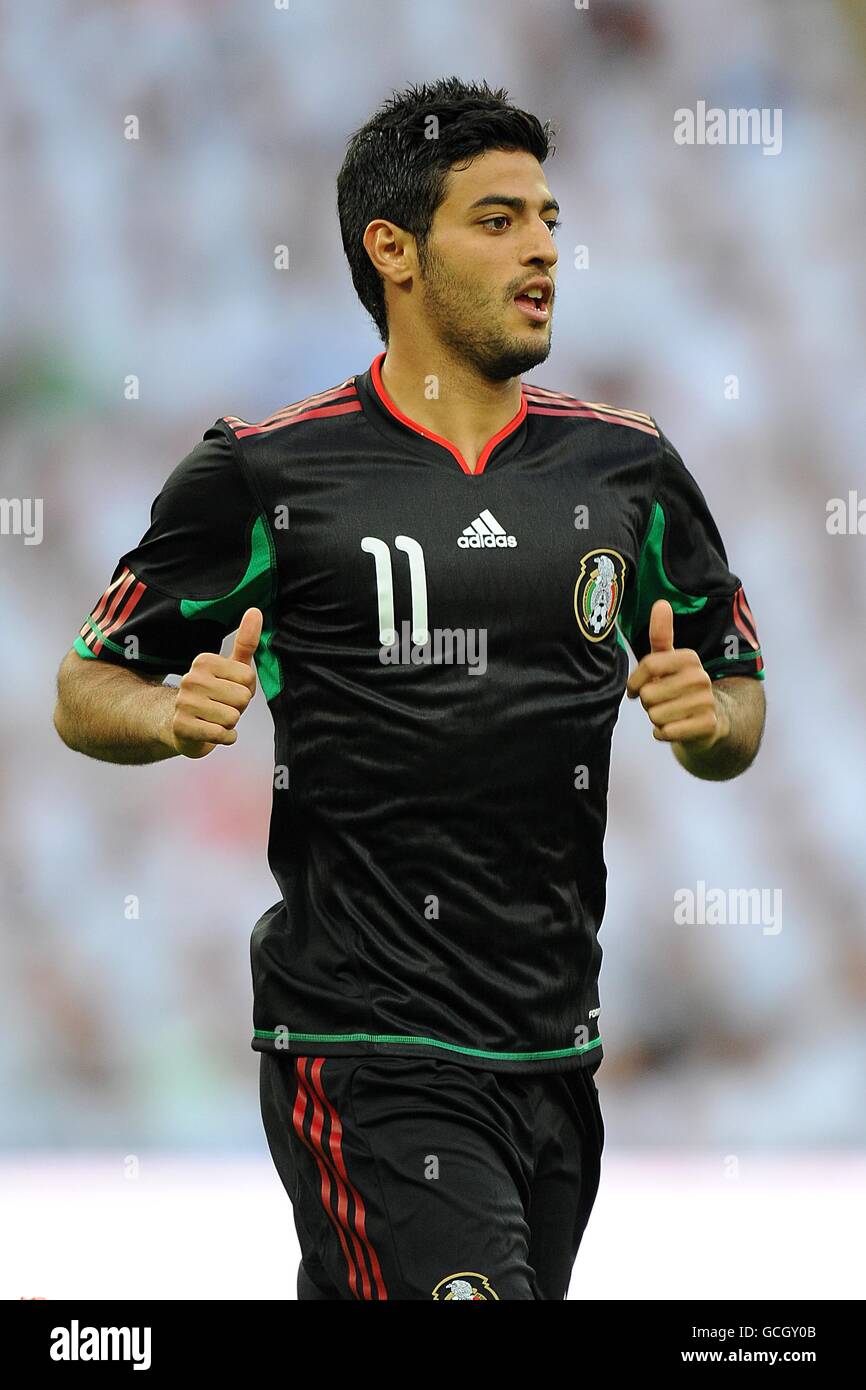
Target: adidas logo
pixel 485 533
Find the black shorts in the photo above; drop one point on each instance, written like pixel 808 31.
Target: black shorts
pixel 415 1178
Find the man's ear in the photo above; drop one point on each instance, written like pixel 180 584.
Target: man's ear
pixel 391 249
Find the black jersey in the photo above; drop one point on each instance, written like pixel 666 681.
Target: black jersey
pixel 444 657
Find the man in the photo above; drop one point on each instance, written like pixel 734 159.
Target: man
pixel 435 569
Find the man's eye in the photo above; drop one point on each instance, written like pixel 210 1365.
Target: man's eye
pixel 502 217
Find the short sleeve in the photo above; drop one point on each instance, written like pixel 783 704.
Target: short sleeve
pixel 682 559
pixel 205 558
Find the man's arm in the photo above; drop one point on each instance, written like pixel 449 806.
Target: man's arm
pixel 112 714
pixel 121 716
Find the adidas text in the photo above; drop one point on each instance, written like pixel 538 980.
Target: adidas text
pixel 476 542
pixel 485 533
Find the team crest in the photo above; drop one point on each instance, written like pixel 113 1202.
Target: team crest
pixel 465 1285
pixel 598 592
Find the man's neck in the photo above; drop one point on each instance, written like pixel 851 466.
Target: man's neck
pixel 448 398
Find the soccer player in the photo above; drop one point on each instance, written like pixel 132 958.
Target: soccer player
pixel 434 571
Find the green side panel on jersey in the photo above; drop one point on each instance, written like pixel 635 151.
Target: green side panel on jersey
pixel 652 583
pixel 255 590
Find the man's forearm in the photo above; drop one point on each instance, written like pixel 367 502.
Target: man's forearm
pixel 113 714
pixel 741 706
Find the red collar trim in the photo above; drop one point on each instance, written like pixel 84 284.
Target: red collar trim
pixel 378 386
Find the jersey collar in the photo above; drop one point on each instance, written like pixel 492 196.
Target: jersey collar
pixel 383 411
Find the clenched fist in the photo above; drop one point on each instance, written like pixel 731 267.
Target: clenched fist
pixel 214 693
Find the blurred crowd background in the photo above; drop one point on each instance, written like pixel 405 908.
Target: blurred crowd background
pixel 129 893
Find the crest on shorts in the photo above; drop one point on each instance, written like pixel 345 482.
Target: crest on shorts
pixel 598 592
pixel 466 1285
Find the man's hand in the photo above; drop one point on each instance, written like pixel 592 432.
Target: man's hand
pixel 214 693
pixel 675 690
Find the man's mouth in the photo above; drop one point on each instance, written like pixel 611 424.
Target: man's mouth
pixel 533 302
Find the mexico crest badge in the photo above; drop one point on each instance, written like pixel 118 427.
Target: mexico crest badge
pixel 598 592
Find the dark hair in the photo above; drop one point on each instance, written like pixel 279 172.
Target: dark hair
pixel 395 168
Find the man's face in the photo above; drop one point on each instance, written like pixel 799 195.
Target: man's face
pixel 480 256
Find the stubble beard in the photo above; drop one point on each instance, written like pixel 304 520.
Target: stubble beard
pixel 465 321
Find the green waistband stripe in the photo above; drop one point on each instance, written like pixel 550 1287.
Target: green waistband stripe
pixel 427 1042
